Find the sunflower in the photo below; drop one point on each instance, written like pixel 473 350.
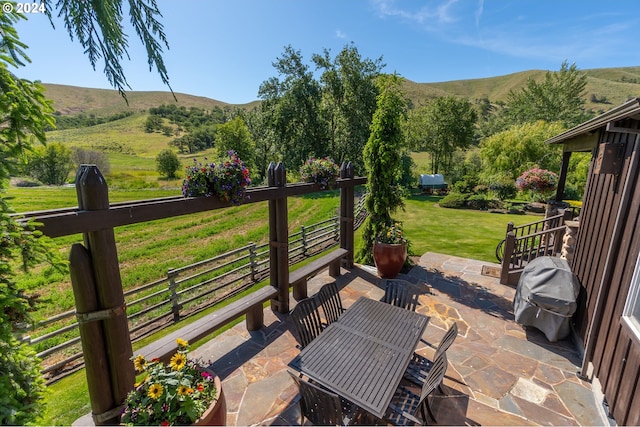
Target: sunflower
pixel 155 391
pixel 140 363
pixel 181 342
pixel 183 390
pixel 178 361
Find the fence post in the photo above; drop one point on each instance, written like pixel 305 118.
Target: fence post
pixel 173 294
pixel 93 195
pixel 346 213
pixel 509 248
pixel 282 228
pixel 303 232
pixel 252 260
pixel 91 333
pixel 279 239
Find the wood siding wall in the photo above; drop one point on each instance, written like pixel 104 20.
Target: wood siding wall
pixel 605 258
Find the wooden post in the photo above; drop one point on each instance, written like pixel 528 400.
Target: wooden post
pixel 92 196
pixel 282 232
pixel 566 157
pixel 273 236
pixel 91 333
pixel 509 248
pixel 347 214
pixel 279 239
pixel 173 295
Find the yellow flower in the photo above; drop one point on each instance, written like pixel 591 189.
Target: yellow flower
pixel 181 342
pixel 183 390
pixel 155 391
pixel 140 363
pixel 178 361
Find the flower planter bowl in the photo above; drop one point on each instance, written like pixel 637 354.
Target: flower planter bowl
pixel 389 258
pixel 216 414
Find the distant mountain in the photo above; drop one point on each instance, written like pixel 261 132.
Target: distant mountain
pixel 606 88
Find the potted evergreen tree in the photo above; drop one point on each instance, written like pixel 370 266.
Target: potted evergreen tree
pixel 382 161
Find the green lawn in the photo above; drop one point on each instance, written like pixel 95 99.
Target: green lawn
pixel 459 232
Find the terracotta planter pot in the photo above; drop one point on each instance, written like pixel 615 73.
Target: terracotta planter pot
pixel 216 414
pixel 389 258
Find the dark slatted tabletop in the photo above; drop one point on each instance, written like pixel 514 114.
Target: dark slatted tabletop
pixel 364 354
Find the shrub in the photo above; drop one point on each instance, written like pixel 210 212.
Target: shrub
pixel 540 183
pixel 50 164
pixel 453 200
pixel 321 171
pixel 465 185
pixel 23 386
pixel 91 157
pixel 504 189
pixel 167 163
pixel 477 201
pixel 480 189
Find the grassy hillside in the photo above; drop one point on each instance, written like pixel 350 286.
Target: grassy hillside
pixel 103 102
pixel 614 84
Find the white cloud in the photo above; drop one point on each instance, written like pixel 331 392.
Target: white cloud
pixel 439 12
pixel 340 34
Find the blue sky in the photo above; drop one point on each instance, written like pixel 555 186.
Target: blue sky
pixel 224 49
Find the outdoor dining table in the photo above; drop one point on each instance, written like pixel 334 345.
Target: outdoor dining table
pixel 363 355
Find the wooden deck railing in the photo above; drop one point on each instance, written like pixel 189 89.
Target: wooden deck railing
pixel 519 250
pixel 183 292
pixel 95 273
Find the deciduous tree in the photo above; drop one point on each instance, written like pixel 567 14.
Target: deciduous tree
pixel 348 102
pixel 440 127
pixel 509 153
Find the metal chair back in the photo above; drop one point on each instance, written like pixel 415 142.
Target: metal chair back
pixel 306 320
pixel 447 340
pixel 318 405
pixel 432 381
pixel 329 299
pixel 401 294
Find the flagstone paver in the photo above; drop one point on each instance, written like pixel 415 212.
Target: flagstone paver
pixel 499 373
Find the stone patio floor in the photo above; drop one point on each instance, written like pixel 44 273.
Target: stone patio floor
pixel 499 373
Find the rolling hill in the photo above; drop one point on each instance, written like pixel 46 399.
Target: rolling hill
pixel 606 88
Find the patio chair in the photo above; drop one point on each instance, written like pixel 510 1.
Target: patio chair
pixel 322 407
pixel 407 407
pixel 401 294
pixel 329 299
pixel 306 320
pixel 419 366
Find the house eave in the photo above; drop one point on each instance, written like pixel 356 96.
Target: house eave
pixel 629 109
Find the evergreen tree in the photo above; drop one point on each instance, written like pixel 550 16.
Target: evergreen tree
pixel 382 160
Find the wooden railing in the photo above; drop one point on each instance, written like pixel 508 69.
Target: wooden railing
pixel 520 250
pixel 101 307
pixel 183 292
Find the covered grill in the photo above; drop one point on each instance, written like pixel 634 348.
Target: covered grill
pixel 546 297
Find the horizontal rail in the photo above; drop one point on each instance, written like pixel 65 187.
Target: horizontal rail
pixel 69 222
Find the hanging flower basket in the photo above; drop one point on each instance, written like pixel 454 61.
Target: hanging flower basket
pixel 227 179
pixel 322 171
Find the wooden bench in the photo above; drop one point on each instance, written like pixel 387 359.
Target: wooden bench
pixel 251 305
pixel 298 278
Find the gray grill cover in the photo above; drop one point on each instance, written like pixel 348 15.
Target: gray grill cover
pixel 546 297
